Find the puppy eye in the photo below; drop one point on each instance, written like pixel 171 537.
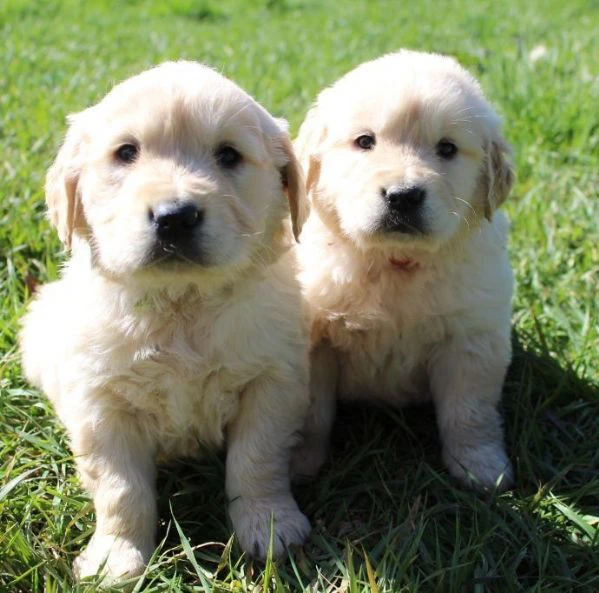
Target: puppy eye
pixel 228 157
pixel 365 141
pixel 127 153
pixel 446 149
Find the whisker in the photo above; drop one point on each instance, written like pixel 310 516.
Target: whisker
pixel 257 233
pixel 465 219
pixel 465 202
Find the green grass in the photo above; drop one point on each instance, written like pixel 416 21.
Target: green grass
pixel 386 515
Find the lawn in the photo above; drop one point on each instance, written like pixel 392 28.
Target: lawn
pixel 386 515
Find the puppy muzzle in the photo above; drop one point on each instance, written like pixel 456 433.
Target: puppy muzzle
pixel 177 227
pixel 403 210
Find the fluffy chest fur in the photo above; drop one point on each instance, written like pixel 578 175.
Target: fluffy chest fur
pixel 177 364
pixel 185 385
pixel 386 323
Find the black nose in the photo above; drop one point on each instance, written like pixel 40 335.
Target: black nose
pixel 404 198
pixel 175 219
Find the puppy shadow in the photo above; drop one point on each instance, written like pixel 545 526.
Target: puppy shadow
pixel 552 425
pixel 201 12
pixel 384 494
pixel 191 494
pixel 384 497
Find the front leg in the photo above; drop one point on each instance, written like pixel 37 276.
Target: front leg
pixel 467 375
pixel 259 440
pixel 116 464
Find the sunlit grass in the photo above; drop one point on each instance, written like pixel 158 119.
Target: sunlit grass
pixel 384 500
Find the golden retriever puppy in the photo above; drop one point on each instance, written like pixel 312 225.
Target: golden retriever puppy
pixel 177 319
pixel 404 259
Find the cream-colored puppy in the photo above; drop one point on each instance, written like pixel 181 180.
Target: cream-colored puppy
pixel 177 319
pixel 404 259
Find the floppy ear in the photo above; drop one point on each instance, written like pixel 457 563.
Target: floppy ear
pixel 293 183
pixel 311 134
pixel 62 197
pixel 499 175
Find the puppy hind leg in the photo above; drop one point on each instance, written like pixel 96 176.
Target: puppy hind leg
pixel 116 465
pixel 466 379
pixel 310 453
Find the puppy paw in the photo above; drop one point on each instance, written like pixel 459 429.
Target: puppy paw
pixel 252 520
pixel 306 460
pixel 113 558
pixel 482 466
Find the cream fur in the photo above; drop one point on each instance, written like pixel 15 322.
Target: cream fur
pixel 439 326
pixel 145 361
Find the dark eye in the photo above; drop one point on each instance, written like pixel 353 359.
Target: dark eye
pixel 446 149
pixel 228 157
pixel 365 141
pixel 127 153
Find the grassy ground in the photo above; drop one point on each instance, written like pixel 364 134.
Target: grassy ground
pixel 386 515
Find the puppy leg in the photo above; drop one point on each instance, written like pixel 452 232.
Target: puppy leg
pixel 259 442
pixel 467 377
pixel 308 456
pixel 116 465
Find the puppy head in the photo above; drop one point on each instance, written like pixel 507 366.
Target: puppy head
pixel 176 171
pixel 404 150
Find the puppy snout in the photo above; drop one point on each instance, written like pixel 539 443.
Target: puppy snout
pixel 176 219
pixel 404 198
pixel 404 212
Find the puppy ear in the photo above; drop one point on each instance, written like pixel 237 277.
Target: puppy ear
pixel 62 197
pixel 499 175
pixel 293 184
pixel 311 134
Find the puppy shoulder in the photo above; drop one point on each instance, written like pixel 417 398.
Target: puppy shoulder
pixel 329 268
pixel 260 324
pixel 40 337
pixel 64 321
pixel 49 332
pixel 488 248
pixel 482 284
pixel 280 299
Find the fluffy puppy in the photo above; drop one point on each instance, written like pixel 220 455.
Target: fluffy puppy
pixel 404 260
pixel 177 319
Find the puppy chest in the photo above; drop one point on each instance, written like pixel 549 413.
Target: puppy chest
pixel 384 363
pixel 186 400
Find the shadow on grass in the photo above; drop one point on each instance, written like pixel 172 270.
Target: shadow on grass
pixel 204 13
pixel 385 495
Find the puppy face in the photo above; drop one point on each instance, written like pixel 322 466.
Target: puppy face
pixel 406 150
pixel 175 171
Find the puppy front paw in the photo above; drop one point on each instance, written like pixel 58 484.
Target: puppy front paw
pixel 113 558
pixel 252 520
pixel 481 466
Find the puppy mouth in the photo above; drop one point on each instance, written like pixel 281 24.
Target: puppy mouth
pixel 402 224
pixel 167 255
